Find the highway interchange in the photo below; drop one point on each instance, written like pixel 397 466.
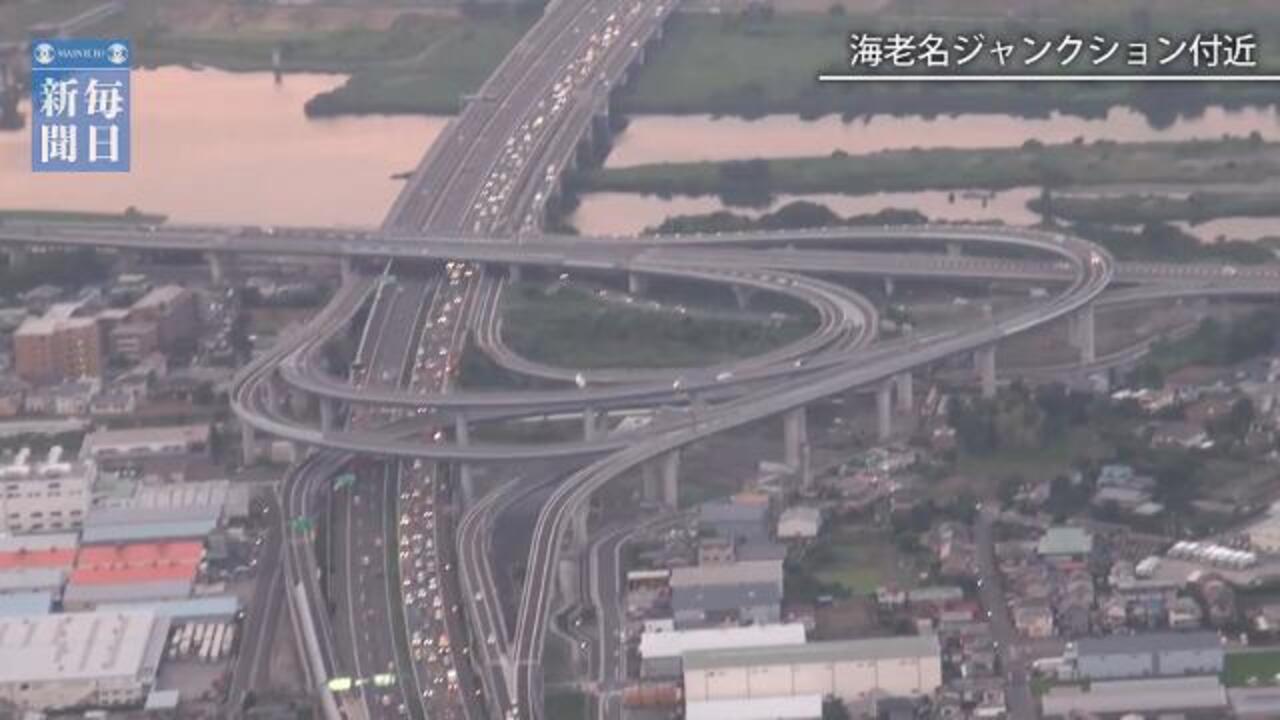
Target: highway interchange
pixel 401 590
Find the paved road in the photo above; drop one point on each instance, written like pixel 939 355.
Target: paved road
pixel 1021 704
pixel 263 614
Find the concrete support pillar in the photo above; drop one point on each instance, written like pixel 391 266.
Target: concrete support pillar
pixel 581 516
pixel 466 484
pixel 327 413
pixel 743 294
pixel 299 403
pixel 954 249
pixel 217 267
pixel 906 391
pixel 984 361
pixel 567 577
pixel 248 444
pixel 795 441
pixel 637 284
pixel 19 256
pixel 1086 339
pixel 590 423
pixel 650 484
pixel 884 411
pixel 888 287
pixel 514 273
pixel 347 268
pixel 670 469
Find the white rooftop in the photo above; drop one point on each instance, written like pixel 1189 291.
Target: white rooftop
pixel 677 643
pixel 756 571
pixel 795 707
pixel 80 646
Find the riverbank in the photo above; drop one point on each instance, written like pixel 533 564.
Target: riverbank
pixel 749 63
pixel 758 65
pixel 1195 207
pixel 1069 165
pixel 400 60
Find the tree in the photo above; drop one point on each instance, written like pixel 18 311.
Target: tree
pixel 1233 427
pixel 834 709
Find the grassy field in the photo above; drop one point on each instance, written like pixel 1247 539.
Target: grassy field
pixel 729 64
pixel 456 63
pixel 861 561
pixel 566 705
pixel 1241 666
pixel 570 328
pixel 983 474
pixel 1213 161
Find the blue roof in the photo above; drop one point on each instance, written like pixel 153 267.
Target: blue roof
pixel 199 607
pixel 37 602
pixel 147 531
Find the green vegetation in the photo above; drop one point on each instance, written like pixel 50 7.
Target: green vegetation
pixel 1263 667
pixel 71 269
pixel 421 63
pixel 566 704
pixel 756 62
pixel 798 214
pixel 1075 164
pixel 1166 243
pixel 1213 343
pixel 858 561
pixel 568 327
pixel 456 63
pixel 1137 209
pixel 1025 434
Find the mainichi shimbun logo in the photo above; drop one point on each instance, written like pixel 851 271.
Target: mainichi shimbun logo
pixel 117 54
pixel 43 53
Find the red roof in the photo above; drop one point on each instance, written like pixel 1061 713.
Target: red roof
pixel 112 576
pixel 137 562
pixel 23 559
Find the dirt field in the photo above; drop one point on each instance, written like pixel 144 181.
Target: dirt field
pixel 212 18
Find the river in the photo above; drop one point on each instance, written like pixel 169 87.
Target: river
pixel 219 147
pixel 689 138
pixel 654 139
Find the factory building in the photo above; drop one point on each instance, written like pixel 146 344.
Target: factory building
pixel 1146 655
pixel 72 660
pixel 661 652
pixel 132 572
pixel 851 670
pixel 50 495
pixel 739 592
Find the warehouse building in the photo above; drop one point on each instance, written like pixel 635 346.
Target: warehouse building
pixel 54 662
pixel 134 572
pixel 851 670
pixel 739 592
pixel 1202 694
pixel 139 512
pixel 48 550
pixel 37 579
pixel 210 609
pixel 799 707
pixel 33 602
pixel 1146 655
pixel 142 443
pixel 661 652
